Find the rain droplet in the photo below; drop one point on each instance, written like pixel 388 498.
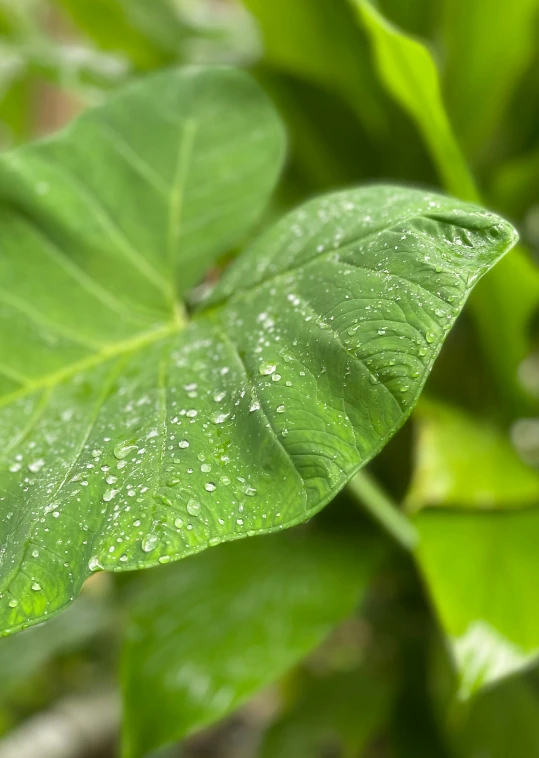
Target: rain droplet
pixel 281 409
pixel 149 542
pixel 210 487
pixel 267 368
pixel 193 506
pixel 183 444
pixel 36 586
pixel 123 449
pixel 93 563
pixel 219 418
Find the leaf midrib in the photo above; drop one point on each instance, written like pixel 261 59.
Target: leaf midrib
pixel 110 352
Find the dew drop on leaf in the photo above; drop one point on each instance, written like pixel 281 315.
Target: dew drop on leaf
pixel 123 449
pixel 193 506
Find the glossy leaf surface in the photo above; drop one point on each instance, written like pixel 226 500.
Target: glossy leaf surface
pixel 207 634
pixel 131 438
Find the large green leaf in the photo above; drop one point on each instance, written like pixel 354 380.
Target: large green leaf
pixel 479 569
pixel 467 462
pixel 207 634
pixel 131 438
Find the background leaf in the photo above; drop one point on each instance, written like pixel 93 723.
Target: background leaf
pixel 473 40
pixel 207 634
pixel 493 626
pixel 465 461
pixel 409 73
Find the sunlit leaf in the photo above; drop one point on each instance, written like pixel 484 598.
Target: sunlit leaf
pixel 493 626
pixel 207 634
pixel 467 462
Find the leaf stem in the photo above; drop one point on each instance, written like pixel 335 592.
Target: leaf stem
pixel 368 493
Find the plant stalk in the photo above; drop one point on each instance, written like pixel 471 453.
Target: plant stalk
pixel 368 493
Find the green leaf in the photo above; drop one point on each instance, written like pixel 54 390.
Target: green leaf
pixel 150 34
pixel 132 438
pixel 409 73
pixel 344 709
pixel 25 655
pixel 479 568
pixel 320 42
pixel 464 461
pixel 478 88
pixel 206 635
pixel 502 306
pixel 514 185
pixel 502 721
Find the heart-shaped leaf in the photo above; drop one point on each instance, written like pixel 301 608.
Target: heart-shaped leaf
pixel 132 438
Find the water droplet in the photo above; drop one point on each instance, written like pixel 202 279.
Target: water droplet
pixel 267 368
pixel 36 586
pixel 178 523
pixel 255 406
pixel 205 468
pixel 219 396
pixel 150 542
pixel 93 563
pixel 13 603
pixel 193 506
pixel 219 418
pixel 210 487
pixel 183 444
pixel 281 409
pixel 123 449
pixel 109 494
pixel 430 337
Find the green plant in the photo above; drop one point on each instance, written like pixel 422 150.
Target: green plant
pixel 381 631
pixel 134 435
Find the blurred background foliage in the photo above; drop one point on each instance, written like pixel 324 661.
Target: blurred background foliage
pixel 429 646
